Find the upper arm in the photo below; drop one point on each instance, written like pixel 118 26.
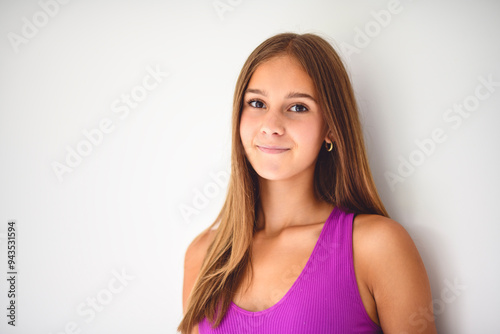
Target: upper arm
pixel 395 274
pixel 193 260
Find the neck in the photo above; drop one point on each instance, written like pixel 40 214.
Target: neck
pixel 288 203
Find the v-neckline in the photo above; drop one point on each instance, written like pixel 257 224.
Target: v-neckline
pixel 299 278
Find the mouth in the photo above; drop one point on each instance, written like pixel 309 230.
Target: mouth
pixel 273 149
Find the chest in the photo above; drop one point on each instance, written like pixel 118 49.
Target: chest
pixel 276 266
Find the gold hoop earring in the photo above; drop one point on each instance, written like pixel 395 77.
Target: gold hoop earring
pixel 329 149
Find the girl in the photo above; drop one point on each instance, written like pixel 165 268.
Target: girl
pixel 303 243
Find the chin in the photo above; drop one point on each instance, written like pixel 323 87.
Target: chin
pixel 271 175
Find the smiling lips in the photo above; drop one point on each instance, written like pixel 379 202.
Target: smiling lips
pixel 272 149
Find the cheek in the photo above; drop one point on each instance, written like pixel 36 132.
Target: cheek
pixel 246 129
pixel 311 134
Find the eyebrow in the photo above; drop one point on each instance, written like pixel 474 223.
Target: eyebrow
pixel 290 95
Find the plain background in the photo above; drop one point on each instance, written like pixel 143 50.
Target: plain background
pixel 150 185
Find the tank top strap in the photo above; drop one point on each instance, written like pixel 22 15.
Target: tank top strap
pixel 332 248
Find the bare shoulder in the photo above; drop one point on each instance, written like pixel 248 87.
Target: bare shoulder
pixel 193 260
pixel 372 223
pixel 197 249
pixel 391 268
pixel 383 246
pixel 379 233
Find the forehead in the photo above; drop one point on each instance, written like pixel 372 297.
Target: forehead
pixel 282 74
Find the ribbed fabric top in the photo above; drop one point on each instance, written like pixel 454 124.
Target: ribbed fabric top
pixel 324 298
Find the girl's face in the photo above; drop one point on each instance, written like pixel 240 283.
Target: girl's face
pixel 282 128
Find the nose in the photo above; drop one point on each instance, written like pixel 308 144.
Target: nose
pixel 272 123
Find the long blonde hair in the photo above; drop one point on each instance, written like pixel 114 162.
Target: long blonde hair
pixel 342 177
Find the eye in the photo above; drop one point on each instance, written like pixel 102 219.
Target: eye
pixel 256 103
pixel 299 108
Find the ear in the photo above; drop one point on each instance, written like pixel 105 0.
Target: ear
pixel 328 137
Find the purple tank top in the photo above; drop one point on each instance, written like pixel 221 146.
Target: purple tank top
pixel 324 298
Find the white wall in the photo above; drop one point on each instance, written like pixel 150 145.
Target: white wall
pixel 119 209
